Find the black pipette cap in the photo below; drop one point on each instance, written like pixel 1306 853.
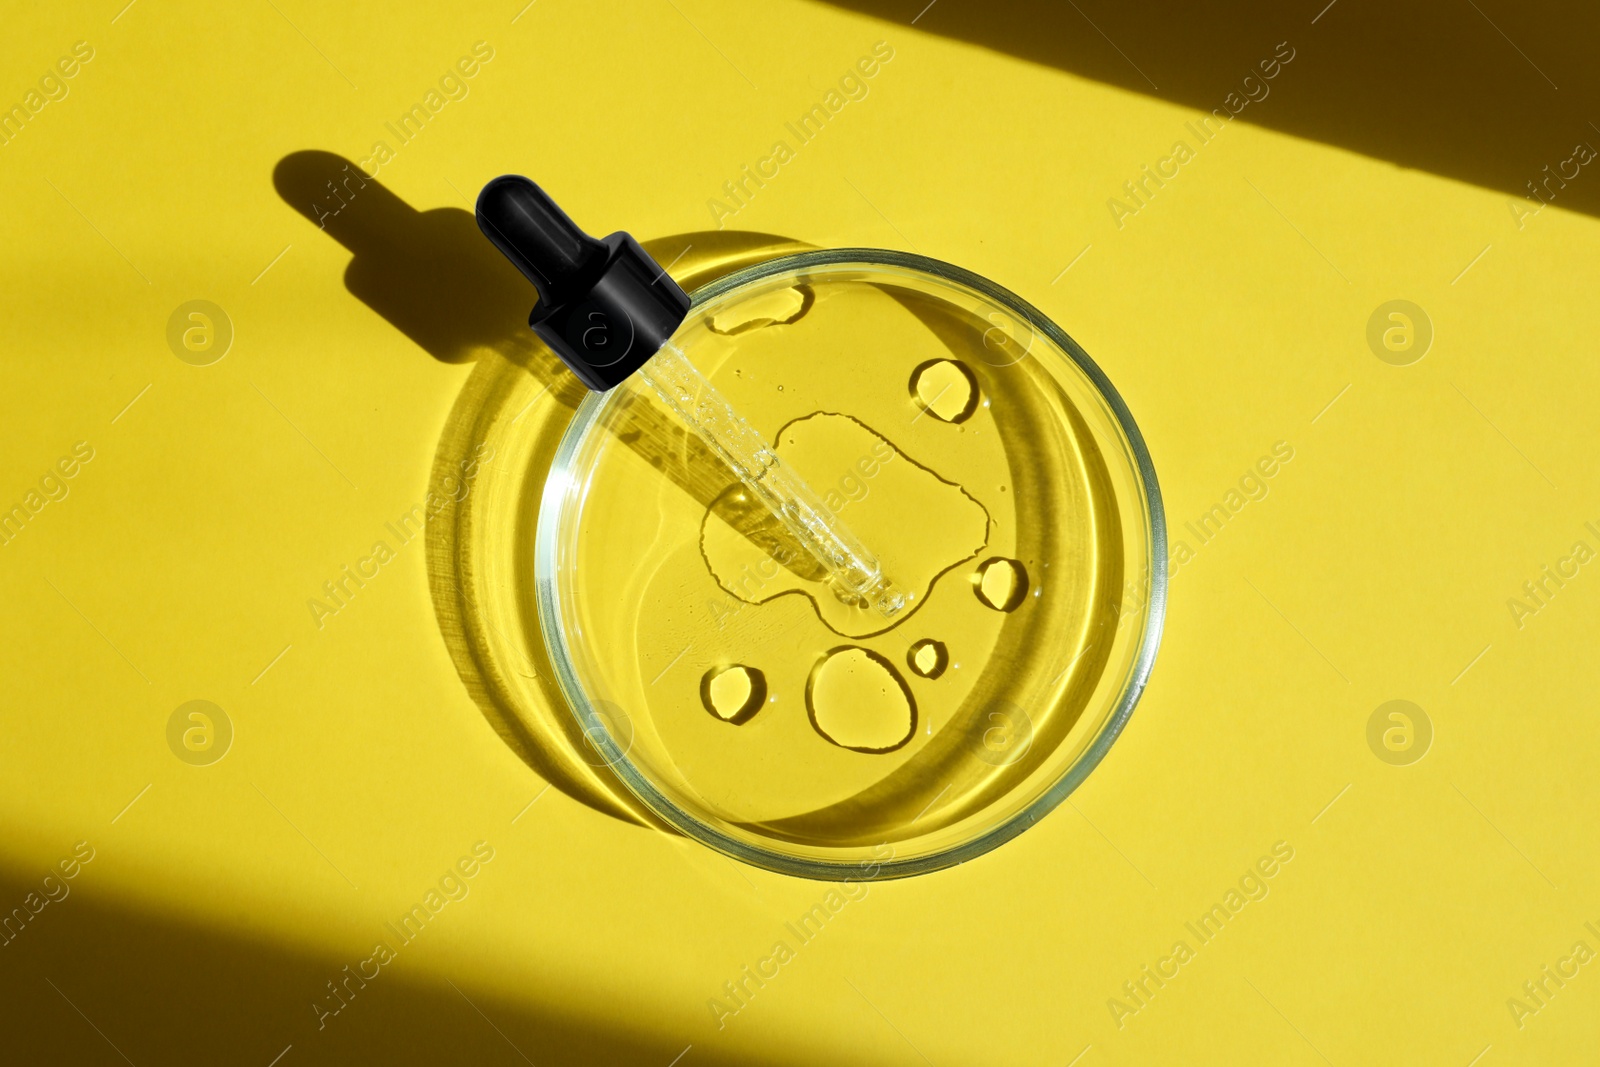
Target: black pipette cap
pixel 605 307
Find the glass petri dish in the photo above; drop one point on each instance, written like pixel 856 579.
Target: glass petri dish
pixel 994 470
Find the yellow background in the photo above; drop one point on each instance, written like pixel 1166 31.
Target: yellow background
pixel 1379 567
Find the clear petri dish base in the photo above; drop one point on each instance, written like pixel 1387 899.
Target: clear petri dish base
pixel 995 474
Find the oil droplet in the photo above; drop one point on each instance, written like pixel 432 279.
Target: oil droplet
pixel 733 694
pixel 928 658
pixel 768 309
pixel 857 700
pixel 946 389
pixel 873 486
pixel 1001 583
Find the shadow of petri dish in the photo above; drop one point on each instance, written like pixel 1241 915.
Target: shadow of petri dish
pixel 432 276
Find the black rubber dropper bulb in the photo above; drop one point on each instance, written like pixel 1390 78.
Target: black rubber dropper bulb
pixel 605 306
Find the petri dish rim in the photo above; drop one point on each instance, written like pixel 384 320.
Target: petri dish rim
pixel 597 730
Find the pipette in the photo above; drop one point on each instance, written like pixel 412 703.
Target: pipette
pixel 610 311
